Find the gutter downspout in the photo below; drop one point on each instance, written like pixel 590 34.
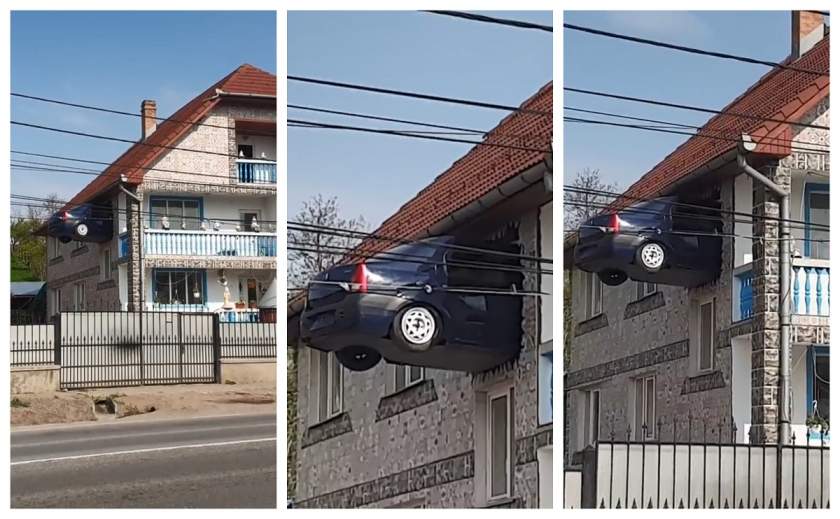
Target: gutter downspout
pixel 746 145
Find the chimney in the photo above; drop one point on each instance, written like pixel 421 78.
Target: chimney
pixel 807 29
pixel 148 112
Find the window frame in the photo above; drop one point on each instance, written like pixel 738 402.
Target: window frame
pixel 408 382
pixel 711 336
pixel 54 246
pixel 810 189
pixel 79 296
pixel 640 409
pixel 168 199
pixel 813 354
pixel 246 225
pixel 325 388
pixel 593 284
pixel 200 272
pixel 590 433
pixel 642 289
pixel 492 397
pixel 106 264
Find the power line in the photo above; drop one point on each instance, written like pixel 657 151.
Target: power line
pixel 378 288
pixel 693 108
pixel 499 21
pixel 417 95
pixel 117 112
pixel 120 139
pixel 676 132
pixel 692 50
pixel 297 123
pixel 679 125
pixel 711 235
pixel 379 237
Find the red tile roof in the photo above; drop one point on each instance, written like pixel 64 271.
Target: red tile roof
pixel 478 172
pixel 246 79
pixel 780 94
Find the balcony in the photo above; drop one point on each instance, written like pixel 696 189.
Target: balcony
pixel 256 171
pixel 810 295
pixel 157 242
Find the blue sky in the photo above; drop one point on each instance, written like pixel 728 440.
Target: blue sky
pixel 115 60
pixel 373 175
pixel 602 64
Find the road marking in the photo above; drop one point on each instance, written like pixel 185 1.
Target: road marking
pixel 140 451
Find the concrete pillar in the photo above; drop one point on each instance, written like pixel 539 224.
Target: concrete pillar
pixel 766 298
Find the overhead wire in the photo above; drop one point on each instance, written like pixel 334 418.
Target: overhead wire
pixel 519 24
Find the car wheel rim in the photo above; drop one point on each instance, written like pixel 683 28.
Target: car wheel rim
pixel 418 325
pixel 82 229
pixel 653 255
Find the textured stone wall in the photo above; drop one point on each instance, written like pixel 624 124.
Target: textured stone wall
pixel 416 449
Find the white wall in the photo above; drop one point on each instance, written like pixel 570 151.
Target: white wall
pixel 798 375
pixel 743 204
pixel 741 382
pixel 261 143
pixel 227 207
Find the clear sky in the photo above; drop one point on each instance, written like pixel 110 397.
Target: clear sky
pixel 115 60
pixel 373 175
pixel 608 65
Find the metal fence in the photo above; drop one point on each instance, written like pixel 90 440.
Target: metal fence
pixel 710 472
pixel 115 348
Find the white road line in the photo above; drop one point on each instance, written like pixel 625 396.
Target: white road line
pixel 139 451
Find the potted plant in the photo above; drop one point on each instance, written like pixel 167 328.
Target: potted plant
pixel 816 425
pixel 240 304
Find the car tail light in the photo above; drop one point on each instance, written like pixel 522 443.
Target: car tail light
pixel 360 278
pixel 65 216
pixel 615 224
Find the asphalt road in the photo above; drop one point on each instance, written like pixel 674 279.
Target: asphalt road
pixel 215 462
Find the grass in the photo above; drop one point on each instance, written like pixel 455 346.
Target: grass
pixel 17 402
pixel 20 272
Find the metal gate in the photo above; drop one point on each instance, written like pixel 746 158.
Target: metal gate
pixel 111 349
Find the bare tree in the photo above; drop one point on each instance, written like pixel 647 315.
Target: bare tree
pixel 586 198
pixel 327 238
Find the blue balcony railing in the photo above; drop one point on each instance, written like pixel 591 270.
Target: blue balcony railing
pixel 810 295
pixel 256 171
pixel 209 243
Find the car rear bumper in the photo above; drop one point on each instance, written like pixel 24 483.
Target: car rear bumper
pixel 610 252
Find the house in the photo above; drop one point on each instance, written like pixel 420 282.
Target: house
pixel 194 210
pixel 404 436
pixel 647 360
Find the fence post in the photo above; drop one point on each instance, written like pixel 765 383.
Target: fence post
pixel 217 350
pixel 589 478
pixel 57 338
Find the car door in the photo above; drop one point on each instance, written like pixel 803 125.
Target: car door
pixel 464 301
pixel 684 238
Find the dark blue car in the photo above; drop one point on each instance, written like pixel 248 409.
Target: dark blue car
pixel 86 222
pixel 657 241
pixel 423 304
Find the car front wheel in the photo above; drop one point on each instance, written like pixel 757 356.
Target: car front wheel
pixel 612 278
pixel 358 358
pixel 82 229
pixel 416 328
pixel 651 256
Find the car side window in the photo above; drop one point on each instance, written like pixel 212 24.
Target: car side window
pixel 478 270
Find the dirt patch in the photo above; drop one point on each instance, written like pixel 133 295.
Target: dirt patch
pixel 52 408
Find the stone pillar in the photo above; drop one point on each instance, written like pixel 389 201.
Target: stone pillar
pixel 134 222
pixel 766 300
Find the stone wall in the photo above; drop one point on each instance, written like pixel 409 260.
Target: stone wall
pixel 417 448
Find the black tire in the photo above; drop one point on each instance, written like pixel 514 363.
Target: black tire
pixel 358 358
pixel 423 316
pixel 612 278
pixel 65 239
pixel 642 254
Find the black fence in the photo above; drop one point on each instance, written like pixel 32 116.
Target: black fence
pixel 115 348
pixel 702 465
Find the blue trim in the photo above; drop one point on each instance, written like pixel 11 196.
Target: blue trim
pixel 198 199
pixel 810 187
pixel 156 270
pixel 818 351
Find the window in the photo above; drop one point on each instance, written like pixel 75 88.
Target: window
pixel 327 377
pixel 55 247
pixel 106 264
pixel 79 296
pixel 816 213
pixel 645 408
pixel 592 416
pixel 465 270
pixel 593 293
pixel 56 300
pixel 706 338
pixel 178 287
pixel 545 384
pixel 182 213
pixel 246 219
pixel 245 151
pixel 817 386
pixel 644 289
pixel 407 376
pixel 498 455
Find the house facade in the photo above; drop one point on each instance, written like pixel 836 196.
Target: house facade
pixel 193 204
pixel 408 437
pixel 660 363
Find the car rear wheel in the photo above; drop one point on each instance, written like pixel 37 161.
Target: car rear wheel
pixel 358 358
pixel 651 256
pixel 612 278
pixel 82 229
pixel 416 328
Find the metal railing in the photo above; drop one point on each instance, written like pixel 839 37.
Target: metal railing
pixel 701 465
pixel 256 171
pixel 248 340
pixel 209 243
